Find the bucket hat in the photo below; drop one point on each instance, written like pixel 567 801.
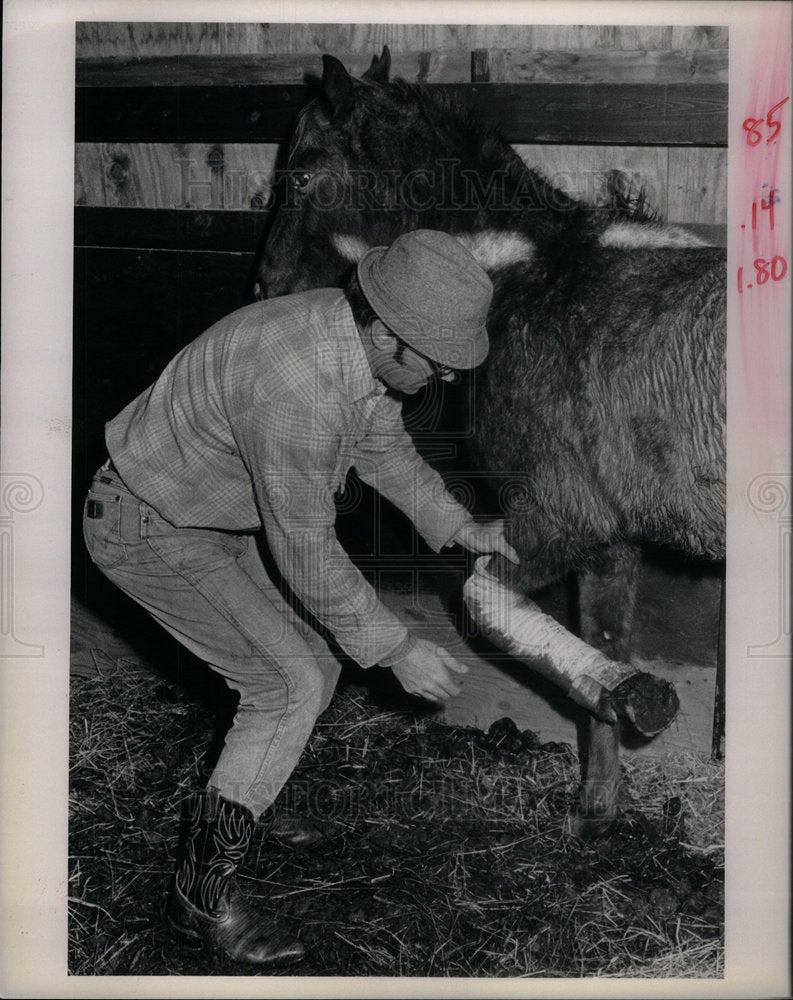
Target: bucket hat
pixel 428 289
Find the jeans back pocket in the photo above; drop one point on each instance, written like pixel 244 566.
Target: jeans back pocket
pixel 101 529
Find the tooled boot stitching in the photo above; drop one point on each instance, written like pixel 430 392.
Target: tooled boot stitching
pixel 206 904
pixel 230 830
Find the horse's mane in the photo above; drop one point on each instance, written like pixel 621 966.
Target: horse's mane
pixel 439 100
pixel 627 202
pixel 448 115
pixel 447 112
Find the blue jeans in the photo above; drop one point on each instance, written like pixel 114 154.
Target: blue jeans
pixel 210 590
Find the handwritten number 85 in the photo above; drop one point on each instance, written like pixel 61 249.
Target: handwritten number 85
pixel 753 133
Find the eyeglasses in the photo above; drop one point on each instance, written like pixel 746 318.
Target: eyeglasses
pixel 442 372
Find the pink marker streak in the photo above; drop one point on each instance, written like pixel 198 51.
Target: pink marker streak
pixel 762 312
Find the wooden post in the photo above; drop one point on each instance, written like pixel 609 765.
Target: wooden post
pixel 719 700
pixel 480 66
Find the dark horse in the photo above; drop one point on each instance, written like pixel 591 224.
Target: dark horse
pixel 602 402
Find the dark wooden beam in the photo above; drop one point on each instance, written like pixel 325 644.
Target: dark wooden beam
pixel 213 231
pixel 606 113
pixel 248 70
pixel 196 70
pixel 210 231
pixel 609 114
pixel 187 114
pixel 496 65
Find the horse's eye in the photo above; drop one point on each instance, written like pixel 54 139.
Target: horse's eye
pixel 300 180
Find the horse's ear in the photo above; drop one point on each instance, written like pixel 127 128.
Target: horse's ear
pixel 380 68
pixel 337 87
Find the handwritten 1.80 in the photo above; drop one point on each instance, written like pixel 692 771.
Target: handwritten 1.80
pixel 776 268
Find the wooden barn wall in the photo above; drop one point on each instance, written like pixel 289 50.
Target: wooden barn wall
pixel 686 183
pixel 125 39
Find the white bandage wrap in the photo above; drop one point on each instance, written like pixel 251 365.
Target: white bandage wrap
pixel 516 625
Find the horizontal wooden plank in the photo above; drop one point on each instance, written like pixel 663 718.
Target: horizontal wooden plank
pixel 698 184
pixel 187 114
pixel 231 176
pixel 208 38
pixel 626 66
pixel 599 36
pixel 208 231
pixel 607 114
pixel 507 65
pixel 612 114
pixel 169 229
pixel 238 176
pixel 700 36
pixel 153 38
pixel 425 66
pixel 195 70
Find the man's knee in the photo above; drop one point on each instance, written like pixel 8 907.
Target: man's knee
pixel 331 669
pixel 315 683
pixel 296 681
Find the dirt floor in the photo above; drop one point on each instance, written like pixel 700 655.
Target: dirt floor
pixel 451 850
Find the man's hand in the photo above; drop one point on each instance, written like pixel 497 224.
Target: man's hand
pixel 488 537
pixel 427 670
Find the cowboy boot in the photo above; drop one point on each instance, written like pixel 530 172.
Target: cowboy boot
pixel 206 905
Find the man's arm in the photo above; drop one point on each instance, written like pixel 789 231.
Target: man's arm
pixel 387 460
pixel 294 479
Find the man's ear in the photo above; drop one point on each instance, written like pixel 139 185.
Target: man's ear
pixel 381 337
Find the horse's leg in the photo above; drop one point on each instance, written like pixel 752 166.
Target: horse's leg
pixel 598 802
pixel 606 602
pixel 607 599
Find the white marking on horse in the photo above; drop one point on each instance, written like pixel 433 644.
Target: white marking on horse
pixel 633 235
pixel 492 249
pixel 351 248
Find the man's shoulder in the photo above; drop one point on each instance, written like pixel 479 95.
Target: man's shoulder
pixel 315 304
pixel 284 324
pixel 293 344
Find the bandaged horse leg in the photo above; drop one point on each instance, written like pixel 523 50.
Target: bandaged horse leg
pixel 614 693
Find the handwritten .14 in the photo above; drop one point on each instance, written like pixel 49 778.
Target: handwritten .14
pixel 768 206
pixel 752 125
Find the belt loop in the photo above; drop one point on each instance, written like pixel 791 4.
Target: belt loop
pixel 105 467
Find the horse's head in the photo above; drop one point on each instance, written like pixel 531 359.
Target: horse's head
pixel 371 159
pixel 332 190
